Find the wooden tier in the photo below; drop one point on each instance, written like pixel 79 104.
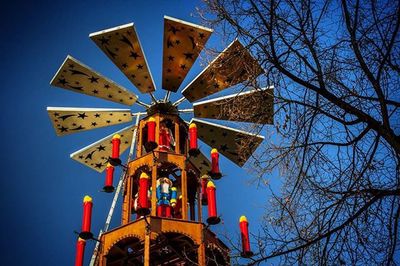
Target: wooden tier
pixel 162 241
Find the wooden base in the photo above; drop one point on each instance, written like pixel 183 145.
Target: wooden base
pixel 154 241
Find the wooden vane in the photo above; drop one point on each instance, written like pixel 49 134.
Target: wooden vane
pixel 228 141
pixel 121 44
pixel 242 107
pixel 183 41
pixel 77 77
pixel 96 154
pixel 67 120
pixel 234 65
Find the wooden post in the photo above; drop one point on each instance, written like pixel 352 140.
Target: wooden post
pixel 201 253
pixel 140 139
pixel 178 148
pixel 127 206
pixel 199 205
pixel 147 248
pixel 153 188
pixel 184 195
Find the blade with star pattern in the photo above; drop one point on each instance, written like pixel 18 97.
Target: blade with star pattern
pixel 96 155
pixel 121 44
pixel 242 107
pixel 201 162
pixel 68 120
pixel 234 144
pixel 233 66
pixel 77 77
pixel 183 42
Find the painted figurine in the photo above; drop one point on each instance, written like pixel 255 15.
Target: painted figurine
pixel 166 197
pixel 166 141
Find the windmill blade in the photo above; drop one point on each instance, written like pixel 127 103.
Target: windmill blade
pixel 183 42
pixel 77 77
pixel 121 44
pixel 96 155
pixel 67 120
pixel 233 66
pixel 229 141
pixel 202 163
pixel 242 107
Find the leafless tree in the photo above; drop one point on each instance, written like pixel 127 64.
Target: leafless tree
pixel 335 66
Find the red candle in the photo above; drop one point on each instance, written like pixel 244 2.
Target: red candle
pixel 212 204
pixel 244 232
pixel 116 141
pixel 143 201
pixel 204 181
pixel 80 251
pixel 114 159
pixel 215 173
pixel 87 218
pixel 108 185
pixel 151 134
pixel 193 149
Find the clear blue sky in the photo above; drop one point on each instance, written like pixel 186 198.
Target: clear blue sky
pixel 42 188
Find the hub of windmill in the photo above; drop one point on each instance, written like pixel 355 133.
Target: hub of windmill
pixel 162 108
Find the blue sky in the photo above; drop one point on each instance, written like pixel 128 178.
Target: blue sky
pixel 42 188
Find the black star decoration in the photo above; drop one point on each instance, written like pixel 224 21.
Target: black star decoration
pixel 95 91
pixel 171 58
pixel 82 115
pixel 173 30
pixel 201 35
pixel 188 55
pixel 97 115
pixel 104 40
pixel 106 86
pixel 89 155
pixel 223 147
pixel 63 129
pixel 183 66
pixel 139 66
pixel 101 148
pixel 94 124
pixel 134 55
pixel 93 79
pixel 62 82
pixel 169 44
pixel 99 165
